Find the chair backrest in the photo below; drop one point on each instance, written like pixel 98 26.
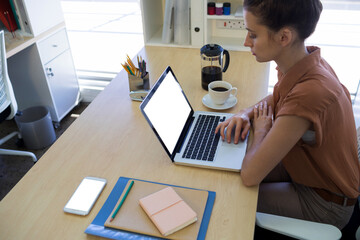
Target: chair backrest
pixel 358 145
pixel 7 96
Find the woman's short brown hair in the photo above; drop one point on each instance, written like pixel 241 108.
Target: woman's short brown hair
pixel 302 15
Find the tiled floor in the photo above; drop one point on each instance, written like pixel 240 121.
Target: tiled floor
pixel 13 168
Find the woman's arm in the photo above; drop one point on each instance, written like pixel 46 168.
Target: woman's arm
pixel 270 144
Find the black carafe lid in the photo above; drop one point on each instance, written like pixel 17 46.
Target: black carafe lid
pixel 211 50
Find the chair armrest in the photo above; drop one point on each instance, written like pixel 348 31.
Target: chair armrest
pixel 296 228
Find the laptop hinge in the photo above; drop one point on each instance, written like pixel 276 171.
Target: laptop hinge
pixel 184 134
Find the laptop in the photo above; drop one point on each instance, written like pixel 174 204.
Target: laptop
pixel 174 121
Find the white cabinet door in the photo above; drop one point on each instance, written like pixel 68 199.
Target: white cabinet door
pixel 63 83
pixel 197 23
pixel 43 14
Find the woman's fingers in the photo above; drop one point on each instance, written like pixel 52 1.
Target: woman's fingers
pixel 262 109
pixel 265 110
pixel 256 111
pixel 220 129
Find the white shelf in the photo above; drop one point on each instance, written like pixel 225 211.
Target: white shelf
pixel 224 17
pixel 156 40
pixel 152 13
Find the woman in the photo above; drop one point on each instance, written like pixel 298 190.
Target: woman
pixel 304 150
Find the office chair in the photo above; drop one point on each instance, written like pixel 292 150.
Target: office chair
pixel 301 229
pixel 353 95
pixel 8 105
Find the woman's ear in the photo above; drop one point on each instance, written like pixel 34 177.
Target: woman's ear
pixel 286 36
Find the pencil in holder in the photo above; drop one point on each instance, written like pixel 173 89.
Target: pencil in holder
pixel 139 83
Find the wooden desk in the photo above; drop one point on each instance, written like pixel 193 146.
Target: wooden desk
pixel 111 139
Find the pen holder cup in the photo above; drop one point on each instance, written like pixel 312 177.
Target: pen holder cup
pixel 138 83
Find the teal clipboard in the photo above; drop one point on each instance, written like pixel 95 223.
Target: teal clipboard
pixel 97 226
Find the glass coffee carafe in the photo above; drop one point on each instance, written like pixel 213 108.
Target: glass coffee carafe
pixel 213 64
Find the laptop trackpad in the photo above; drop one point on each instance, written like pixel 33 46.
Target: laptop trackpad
pixel 232 144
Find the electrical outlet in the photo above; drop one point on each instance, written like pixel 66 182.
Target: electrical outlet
pixel 230 24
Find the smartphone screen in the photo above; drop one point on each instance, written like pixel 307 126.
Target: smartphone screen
pixel 85 196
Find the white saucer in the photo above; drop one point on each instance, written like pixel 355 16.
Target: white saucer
pixel 228 104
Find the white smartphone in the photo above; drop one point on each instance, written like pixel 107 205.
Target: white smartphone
pixel 85 196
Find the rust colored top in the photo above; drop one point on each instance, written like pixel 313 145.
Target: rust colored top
pixel 311 90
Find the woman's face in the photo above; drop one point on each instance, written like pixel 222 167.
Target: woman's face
pixel 258 39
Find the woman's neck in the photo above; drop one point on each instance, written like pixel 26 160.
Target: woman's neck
pixel 290 56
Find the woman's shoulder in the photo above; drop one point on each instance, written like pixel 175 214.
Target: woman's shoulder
pixel 319 81
pixel 317 90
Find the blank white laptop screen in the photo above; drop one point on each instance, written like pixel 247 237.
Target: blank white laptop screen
pixel 168 117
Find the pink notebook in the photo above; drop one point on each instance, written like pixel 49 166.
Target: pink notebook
pixel 168 211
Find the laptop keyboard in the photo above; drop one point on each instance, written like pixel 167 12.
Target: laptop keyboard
pixel 203 141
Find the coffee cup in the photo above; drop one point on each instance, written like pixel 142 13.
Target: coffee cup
pixel 220 91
